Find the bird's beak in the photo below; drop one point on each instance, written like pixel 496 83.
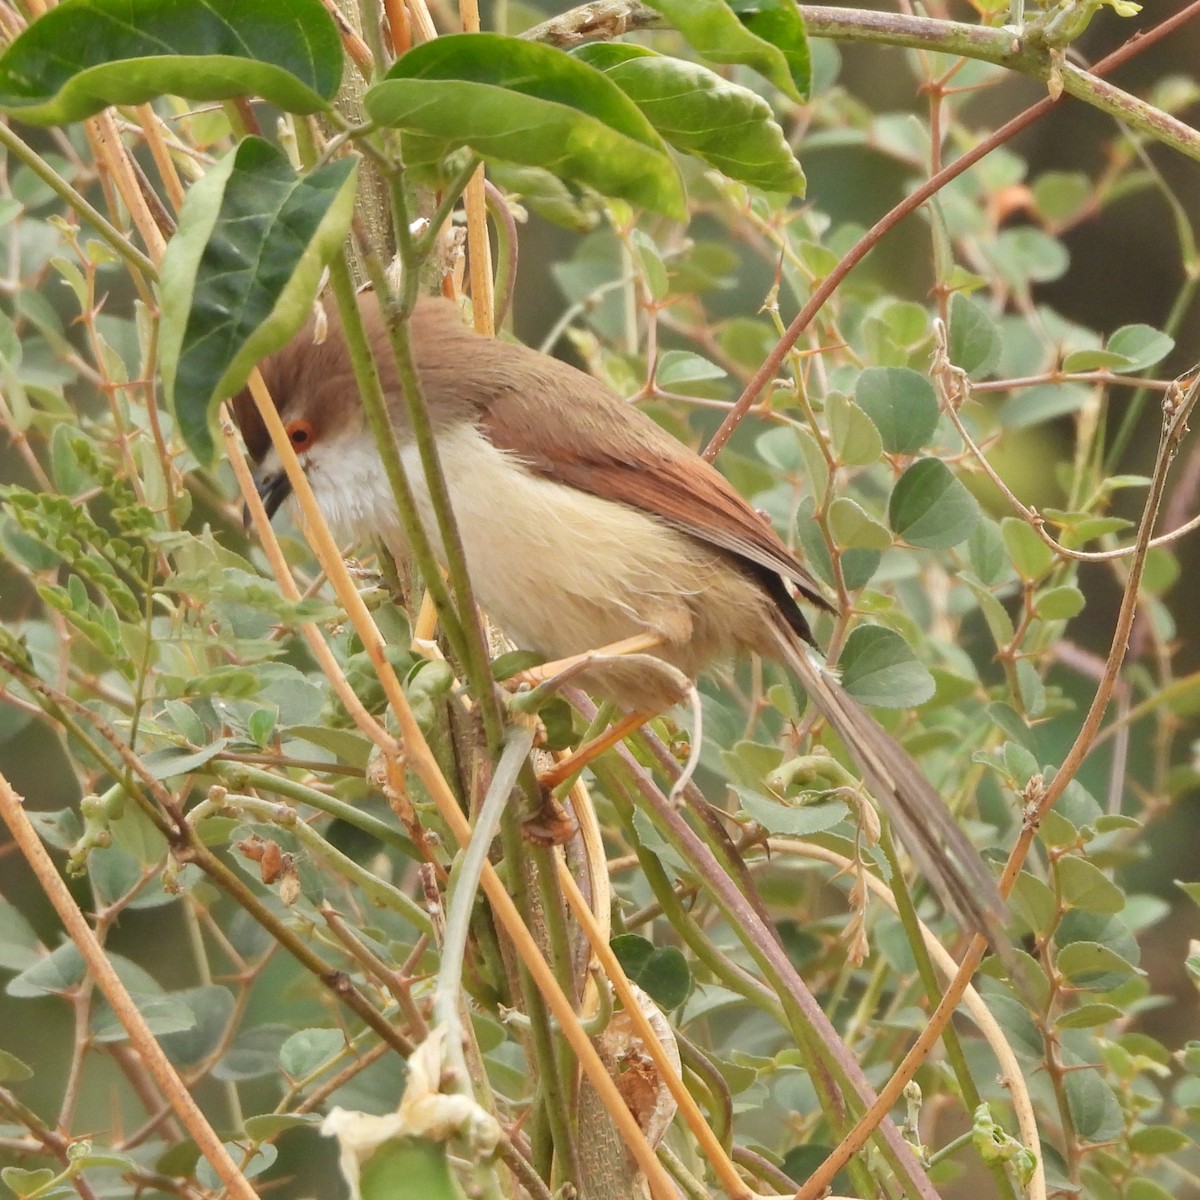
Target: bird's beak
pixel 273 489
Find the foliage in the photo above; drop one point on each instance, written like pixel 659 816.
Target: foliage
pixel 277 785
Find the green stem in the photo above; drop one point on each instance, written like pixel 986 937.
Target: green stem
pixel 464 884
pixel 464 888
pixel 240 775
pixel 472 651
pixel 552 1102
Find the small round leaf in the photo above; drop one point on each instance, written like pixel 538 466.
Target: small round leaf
pixel 902 404
pixel 930 508
pixel 879 669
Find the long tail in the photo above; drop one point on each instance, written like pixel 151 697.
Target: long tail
pixel 937 844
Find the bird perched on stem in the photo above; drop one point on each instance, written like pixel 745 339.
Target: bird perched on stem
pixel 583 524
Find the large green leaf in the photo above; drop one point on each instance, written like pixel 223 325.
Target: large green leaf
pixel 240 274
pixel 84 55
pixel 529 104
pixel 699 112
pixel 769 36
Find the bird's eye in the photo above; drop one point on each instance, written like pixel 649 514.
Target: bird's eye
pixel 300 434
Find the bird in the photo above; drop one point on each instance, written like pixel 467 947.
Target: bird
pixel 585 523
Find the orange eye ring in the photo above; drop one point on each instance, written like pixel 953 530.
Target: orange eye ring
pixel 300 434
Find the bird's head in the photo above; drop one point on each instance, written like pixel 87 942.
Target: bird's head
pixel 312 384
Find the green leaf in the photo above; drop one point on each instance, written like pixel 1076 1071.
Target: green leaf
pixel 1092 965
pixel 240 273
pixel 269 1125
pixel 255 1054
pixel 677 368
pixel 347 744
pixel 1028 553
pixel 263 1157
pixel 84 55
pixel 781 23
pixel 1079 528
pixel 20 946
pixel 12 1069
pixel 409 1167
pixel 661 972
pixel 261 724
pixel 1094 360
pixel 162 1014
pixel 1028 255
pixel 1148 1189
pixel 985 551
pixel 1031 689
pixel 974 337
pixel 852 526
pixel 790 816
pixel 1061 195
pixel 178 760
pixel 1158 1139
pixel 530 104
pixel 1044 402
pixel 880 670
pixel 1141 346
pixel 697 111
pixel 211 1007
pixel 1059 603
pixel 1088 1016
pixel 1018 1025
pixel 53 975
pixel 1034 902
pixel 801 1161
pixel 930 508
pixel 1094 1108
pixel 901 403
pixel 714 31
pixel 856 441
pixel 633 951
pixel 27 1183
pixel 1085 886
pixel 308 1050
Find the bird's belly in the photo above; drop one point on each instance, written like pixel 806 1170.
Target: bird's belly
pixel 562 571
